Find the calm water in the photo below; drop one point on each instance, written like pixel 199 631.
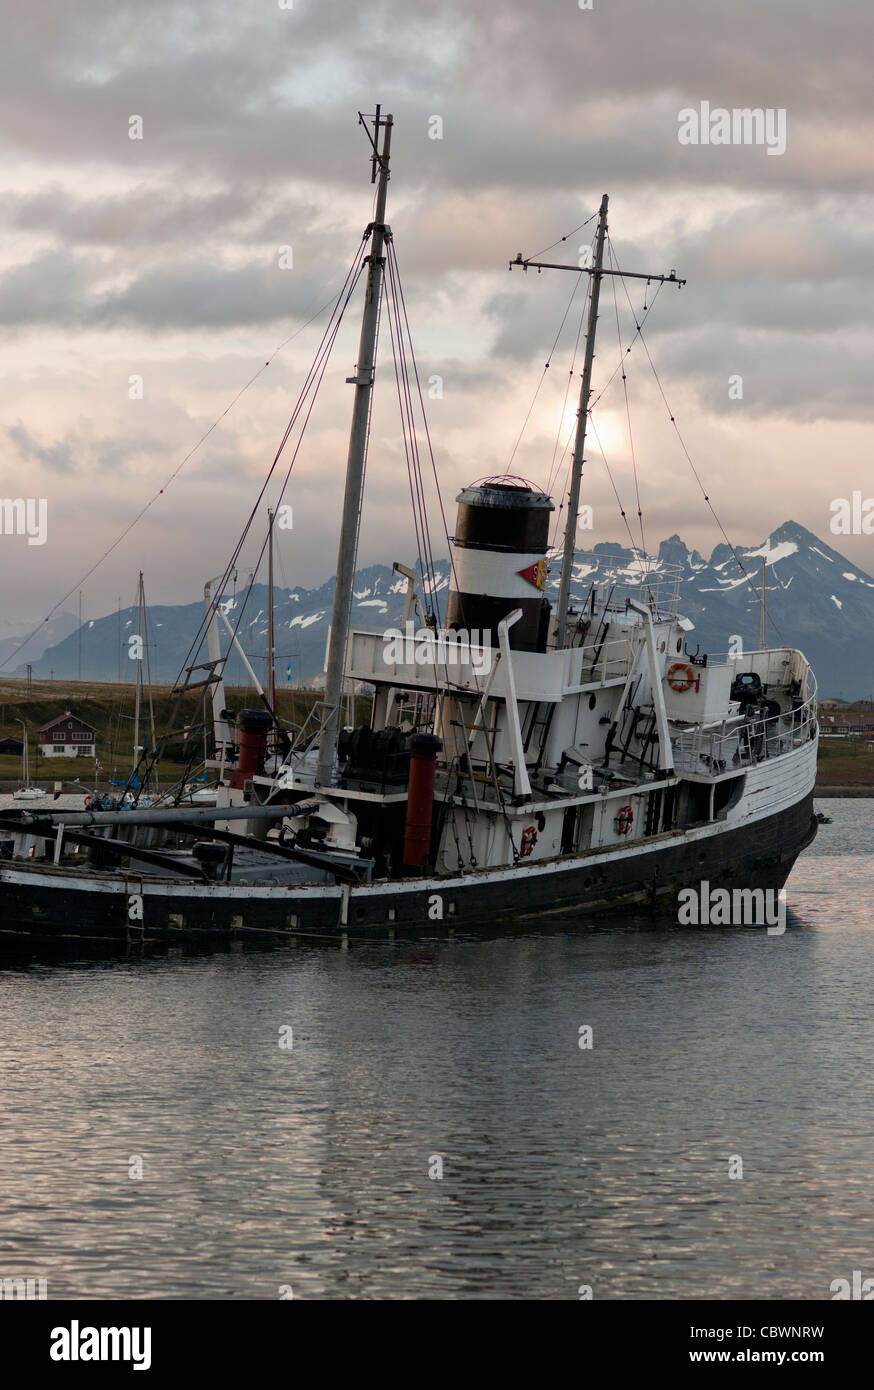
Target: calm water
pixel 309 1167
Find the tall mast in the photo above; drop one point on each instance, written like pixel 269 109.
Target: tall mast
pixel 271 645
pixel 596 272
pixel 141 635
pixel 573 506
pixel 762 642
pixel 363 383
pixel 25 765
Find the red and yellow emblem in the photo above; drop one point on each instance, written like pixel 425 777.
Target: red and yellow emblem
pixel 535 574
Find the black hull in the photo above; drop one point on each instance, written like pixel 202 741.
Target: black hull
pixel 40 905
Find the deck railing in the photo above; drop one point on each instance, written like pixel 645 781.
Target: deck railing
pixel 744 741
pixel 650 582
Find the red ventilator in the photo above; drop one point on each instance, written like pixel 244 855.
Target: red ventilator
pixel 254 726
pixel 420 799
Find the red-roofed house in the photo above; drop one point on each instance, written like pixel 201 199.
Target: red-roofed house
pixel 67 737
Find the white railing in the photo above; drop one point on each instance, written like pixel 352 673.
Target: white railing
pixel 744 742
pixel 775 666
pixel 602 661
pixel 650 582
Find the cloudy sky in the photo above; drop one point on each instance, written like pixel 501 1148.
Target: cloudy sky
pixel 160 258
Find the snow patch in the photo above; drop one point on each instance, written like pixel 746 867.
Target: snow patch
pixel 779 552
pixel 727 584
pixel 306 622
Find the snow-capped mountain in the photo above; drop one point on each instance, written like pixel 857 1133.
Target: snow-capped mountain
pixel 816 600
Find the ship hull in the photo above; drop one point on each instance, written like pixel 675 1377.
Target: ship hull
pixel 47 904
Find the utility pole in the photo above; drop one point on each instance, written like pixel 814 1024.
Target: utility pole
pixel 596 272
pixel 363 383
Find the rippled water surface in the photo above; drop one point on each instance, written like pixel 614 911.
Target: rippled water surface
pixel 309 1167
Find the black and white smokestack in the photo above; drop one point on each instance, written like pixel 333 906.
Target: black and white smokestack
pixel 501 540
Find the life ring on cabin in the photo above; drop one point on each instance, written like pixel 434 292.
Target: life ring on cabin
pixel 680 683
pixel 624 820
pixel 529 840
pixel 88 802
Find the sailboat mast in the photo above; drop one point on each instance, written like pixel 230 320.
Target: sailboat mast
pixel 137 748
pixel 271 644
pixel 762 642
pixel 573 508
pixel 363 383
pixel 25 765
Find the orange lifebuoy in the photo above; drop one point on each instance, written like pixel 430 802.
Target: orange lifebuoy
pixel 624 820
pixel 529 840
pixel 677 682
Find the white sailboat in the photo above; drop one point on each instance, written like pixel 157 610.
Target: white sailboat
pixel 26 792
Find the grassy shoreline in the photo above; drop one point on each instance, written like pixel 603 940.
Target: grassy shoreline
pixel 845 768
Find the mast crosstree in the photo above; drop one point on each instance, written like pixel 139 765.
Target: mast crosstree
pixel 596 272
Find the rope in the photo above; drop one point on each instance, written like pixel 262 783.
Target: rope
pixel 546 366
pixel 750 578
pixel 566 237
pixel 627 409
pixel 177 470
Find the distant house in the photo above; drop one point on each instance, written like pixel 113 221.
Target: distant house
pixel 11 745
pixel 847 725
pixel 67 737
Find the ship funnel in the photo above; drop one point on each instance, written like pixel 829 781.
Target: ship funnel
pixel 499 562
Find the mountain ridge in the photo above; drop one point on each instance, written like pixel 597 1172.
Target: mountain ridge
pixel 830 608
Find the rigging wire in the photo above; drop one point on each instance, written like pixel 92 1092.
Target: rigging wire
pixel 406 339
pixel 177 470
pixel 564 238
pixel 555 465
pixel 309 389
pixel 622 511
pixel 410 438
pixel 622 356
pixel 546 367
pixel 647 310
pixel 749 577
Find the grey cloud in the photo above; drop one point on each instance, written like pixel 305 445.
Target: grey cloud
pixel 58 457
pixel 251 141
